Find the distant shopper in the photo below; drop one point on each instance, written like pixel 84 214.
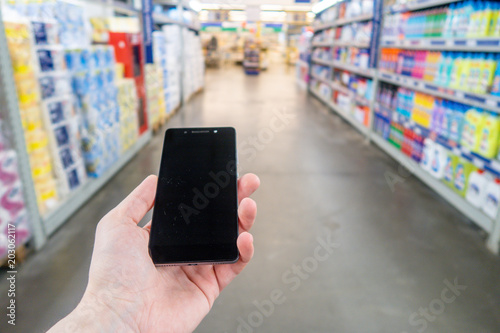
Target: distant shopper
pixel 213 44
pixel 127 293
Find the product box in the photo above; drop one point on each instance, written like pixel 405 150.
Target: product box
pixel 461 175
pixel 449 169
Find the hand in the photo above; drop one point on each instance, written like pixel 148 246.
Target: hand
pixel 126 292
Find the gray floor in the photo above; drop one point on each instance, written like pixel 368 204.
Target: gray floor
pixel 395 252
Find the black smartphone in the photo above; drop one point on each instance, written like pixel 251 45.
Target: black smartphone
pixel 195 216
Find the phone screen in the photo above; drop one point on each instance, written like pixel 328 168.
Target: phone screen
pixel 195 217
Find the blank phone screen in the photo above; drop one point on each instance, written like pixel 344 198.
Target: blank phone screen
pixel 195 217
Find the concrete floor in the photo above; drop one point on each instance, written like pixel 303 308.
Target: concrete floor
pixel 394 254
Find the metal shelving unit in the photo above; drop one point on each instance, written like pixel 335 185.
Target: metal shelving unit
pixel 338 65
pixel 44 225
pixel 322 44
pixel 484 101
pixel 370 72
pixel 487 44
pixel 79 197
pixel 344 114
pixel 351 44
pixel 342 22
pixel 322 62
pixel 417 5
pixel 455 200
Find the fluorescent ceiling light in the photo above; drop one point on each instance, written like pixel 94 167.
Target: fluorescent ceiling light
pixel 322 5
pixel 195 5
pixel 271 7
pixel 219 6
pixel 297 8
pixel 209 6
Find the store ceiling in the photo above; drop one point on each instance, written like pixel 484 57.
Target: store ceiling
pixel 265 4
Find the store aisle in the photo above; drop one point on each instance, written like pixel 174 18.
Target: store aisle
pixel 393 251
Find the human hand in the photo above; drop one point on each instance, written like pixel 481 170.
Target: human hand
pixel 126 292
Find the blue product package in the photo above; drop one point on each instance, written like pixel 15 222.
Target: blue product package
pixel 40 33
pixel 110 56
pixel 73 179
pixel 47 86
pixel 85 59
pixel 369 89
pixel 62 135
pixel 72 58
pixel 46 60
pixel 56 112
pixel 81 83
pixel 110 76
pixel 66 157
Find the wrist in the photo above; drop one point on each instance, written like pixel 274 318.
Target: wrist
pixel 94 315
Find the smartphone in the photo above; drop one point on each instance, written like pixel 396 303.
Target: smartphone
pixel 195 216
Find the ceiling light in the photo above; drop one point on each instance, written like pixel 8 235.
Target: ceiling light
pixel 322 5
pixel 195 5
pixel 271 7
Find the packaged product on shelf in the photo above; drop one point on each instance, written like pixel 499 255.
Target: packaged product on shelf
pixel 128 102
pixel 456 122
pixel 427 154
pixel 471 19
pixel 476 188
pixel 449 168
pixel 396 134
pixel 51 58
pixel 45 32
pixel 93 71
pixel 438 161
pixel 463 170
pixel 155 94
pixel 489 136
pixel 54 84
pixel 12 205
pixel 492 198
pixel 19 40
pixel 471 133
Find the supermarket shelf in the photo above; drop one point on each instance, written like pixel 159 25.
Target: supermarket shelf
pixel 361 18
pixel 453 198
pixel 347 117
pixel 488 102
pixel 324 26
pixel 341 22
pixel 163 19
pixel 322 44
pixel 490 165
pixel 123 8
pixel 417 5
pixel 487 44
pixel 351 68
pixel 322 62
pixel 301 62
pixel 319 78
pixel 358 99
pixel 351 44
pixel 340 65
pixel 79 197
